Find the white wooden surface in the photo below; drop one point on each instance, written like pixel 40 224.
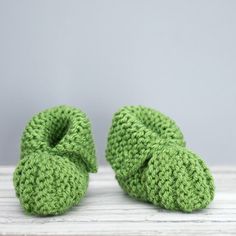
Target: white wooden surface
pixel 106 210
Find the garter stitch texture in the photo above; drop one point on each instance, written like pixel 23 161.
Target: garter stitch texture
pixel 57 152
pixel 147 151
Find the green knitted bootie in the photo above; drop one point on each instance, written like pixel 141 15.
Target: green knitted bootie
pixel 147 151
pixel 57 153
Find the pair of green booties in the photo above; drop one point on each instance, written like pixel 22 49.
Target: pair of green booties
pixel 145 148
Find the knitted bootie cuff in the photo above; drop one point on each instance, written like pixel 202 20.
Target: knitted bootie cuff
pixel 63 131
pixel 57 152
pixel 147 151
pixel 135 133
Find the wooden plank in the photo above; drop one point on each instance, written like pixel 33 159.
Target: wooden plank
pixel 124 228
pixel 117 215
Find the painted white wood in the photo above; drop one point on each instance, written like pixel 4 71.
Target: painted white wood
pixel 106 210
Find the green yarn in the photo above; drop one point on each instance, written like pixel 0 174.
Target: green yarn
pixel 147 151
pixel 57 152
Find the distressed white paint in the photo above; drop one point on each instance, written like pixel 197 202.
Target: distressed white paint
pixel 106 210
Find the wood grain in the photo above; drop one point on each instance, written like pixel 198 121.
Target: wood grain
pixel 106 210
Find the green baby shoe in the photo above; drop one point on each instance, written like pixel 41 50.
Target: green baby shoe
pixel 147 151
pixel 57 153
